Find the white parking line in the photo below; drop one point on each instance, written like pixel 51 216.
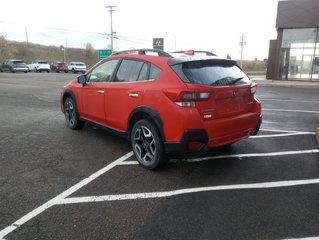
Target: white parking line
pixel 287 110
pixel 61 196
pixel 150 195
pixel 279 130
pixel 247 155
pixel 309 238
pixel 269 154
pixel 283 135
pixel 287 100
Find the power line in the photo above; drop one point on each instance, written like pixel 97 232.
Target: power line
pixel 55 28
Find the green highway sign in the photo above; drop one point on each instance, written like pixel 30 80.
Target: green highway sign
pixel 103 53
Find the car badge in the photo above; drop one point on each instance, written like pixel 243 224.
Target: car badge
pixel 234 93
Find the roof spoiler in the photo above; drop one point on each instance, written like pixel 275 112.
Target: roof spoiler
pixel 193 52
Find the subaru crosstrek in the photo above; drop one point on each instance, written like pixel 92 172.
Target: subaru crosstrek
pixel 164 104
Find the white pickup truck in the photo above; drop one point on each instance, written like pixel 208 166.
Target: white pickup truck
pixel 39 66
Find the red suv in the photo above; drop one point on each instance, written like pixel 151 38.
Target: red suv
pixel 59 66
pixel 163 104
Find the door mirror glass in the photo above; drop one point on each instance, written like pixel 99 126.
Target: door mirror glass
pixel 82 79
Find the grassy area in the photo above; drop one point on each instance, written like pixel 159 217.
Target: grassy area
pixel 255 67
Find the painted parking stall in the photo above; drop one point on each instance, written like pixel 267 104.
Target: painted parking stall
pixel 265 187
pixel 126 161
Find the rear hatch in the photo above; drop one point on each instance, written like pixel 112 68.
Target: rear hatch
pixel 220 88
pixel 19 64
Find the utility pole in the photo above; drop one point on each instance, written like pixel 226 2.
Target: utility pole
pixel 242 42
pixel 64 52
pixel 111 11
pixel 26 35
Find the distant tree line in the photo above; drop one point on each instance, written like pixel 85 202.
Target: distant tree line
pixel 7 50
pixel 29 52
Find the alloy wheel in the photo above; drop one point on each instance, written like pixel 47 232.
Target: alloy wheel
pixel 145 145
pixel 70 114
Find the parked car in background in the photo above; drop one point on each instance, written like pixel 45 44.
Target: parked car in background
pixel 77 67
pixel 13 66
pixel 39 66
pixel 165 105
pixel 59 67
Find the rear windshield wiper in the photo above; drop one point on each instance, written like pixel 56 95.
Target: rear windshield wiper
pixel 235 80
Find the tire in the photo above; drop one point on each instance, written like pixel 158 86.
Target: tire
pixel 74 71
pixel 71 114
pixel 48 71
pixel 66 71
pixel 147 145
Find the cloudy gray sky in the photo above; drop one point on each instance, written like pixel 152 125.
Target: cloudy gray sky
pixel 203 24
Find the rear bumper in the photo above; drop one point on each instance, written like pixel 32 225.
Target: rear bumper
pixel 20 69
pixel 193 135
pixel 217 135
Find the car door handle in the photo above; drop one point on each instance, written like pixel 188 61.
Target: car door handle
pixel 100 91
pixel 133 94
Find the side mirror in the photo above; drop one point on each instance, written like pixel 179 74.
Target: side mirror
pixel 82 80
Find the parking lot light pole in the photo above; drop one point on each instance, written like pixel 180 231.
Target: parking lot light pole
pixel 174 38
pixel 111 10
pixel 242 43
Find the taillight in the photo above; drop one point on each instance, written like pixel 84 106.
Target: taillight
pixel 197 95
pixel 253 88
pixel 187 98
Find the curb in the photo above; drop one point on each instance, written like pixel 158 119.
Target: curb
pixel 280 83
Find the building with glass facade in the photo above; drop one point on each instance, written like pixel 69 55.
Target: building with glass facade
pixel 294 55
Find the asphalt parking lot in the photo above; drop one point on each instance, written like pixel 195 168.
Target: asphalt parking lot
pixel 56 183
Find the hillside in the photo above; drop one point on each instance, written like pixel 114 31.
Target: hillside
pixel 29 52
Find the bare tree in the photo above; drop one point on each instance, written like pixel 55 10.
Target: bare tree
pixel 6 50
pixel 89 50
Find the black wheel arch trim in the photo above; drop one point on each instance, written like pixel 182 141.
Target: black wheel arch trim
pixel 155 116
pixel 68 92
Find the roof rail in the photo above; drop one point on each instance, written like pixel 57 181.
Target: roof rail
pixel 143 52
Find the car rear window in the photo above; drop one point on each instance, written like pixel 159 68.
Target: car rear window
pixel 18 62
pixel 211 73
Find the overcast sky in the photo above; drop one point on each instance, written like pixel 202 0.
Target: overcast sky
pixel 203 24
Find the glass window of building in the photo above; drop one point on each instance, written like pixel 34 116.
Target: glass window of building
pixel 300 54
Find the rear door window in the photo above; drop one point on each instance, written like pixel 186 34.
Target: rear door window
pixel 129 71
pixel 132 70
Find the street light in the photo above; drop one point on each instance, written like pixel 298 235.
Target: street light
pixel 174 38
pixel 242 43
